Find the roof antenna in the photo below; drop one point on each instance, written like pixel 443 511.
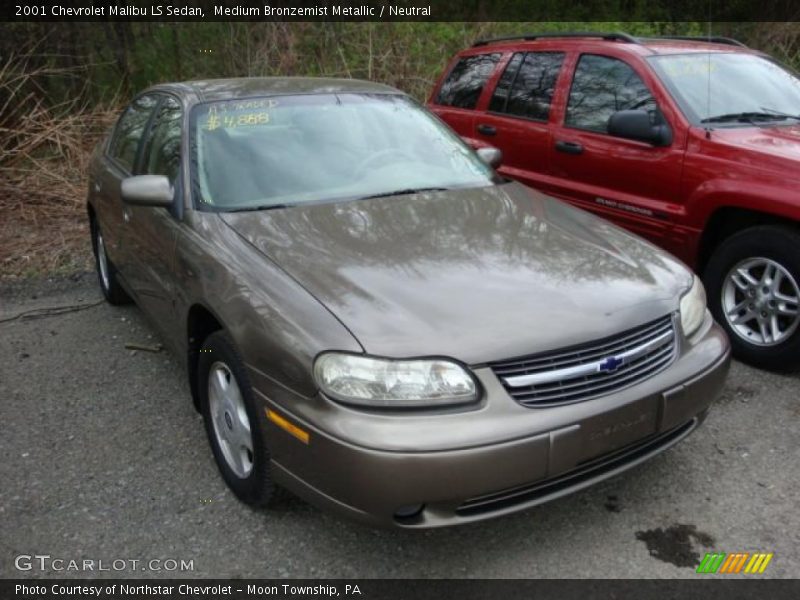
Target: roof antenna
pixel 708 98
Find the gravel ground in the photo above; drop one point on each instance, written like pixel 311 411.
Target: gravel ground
pixel 104 458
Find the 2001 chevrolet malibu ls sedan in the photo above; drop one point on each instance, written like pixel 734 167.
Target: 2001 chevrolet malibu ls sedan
pixel 371 318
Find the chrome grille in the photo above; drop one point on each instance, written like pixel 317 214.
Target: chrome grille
pixel 589 370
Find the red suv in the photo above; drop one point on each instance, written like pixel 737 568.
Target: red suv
pixel 691 143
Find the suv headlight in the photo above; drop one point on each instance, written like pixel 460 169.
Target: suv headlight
pixel 367 381
pixel 693 308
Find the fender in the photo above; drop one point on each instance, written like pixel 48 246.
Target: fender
pixel 715 194
pixel 269 335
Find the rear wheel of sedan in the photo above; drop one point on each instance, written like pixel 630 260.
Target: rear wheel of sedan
pixel 753 282
pixel 106 271
pixel 233 422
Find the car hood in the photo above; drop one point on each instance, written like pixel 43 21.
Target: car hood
pixel 768 147
pixel 475 274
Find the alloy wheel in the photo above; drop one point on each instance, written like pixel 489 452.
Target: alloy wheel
pixel 760 301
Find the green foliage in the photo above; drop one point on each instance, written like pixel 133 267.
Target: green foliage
pixel 103 62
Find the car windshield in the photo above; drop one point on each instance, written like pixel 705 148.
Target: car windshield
pixel 730 88
pixel 262 153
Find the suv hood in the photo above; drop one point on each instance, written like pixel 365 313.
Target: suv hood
pixel 475 274
pixel 771 148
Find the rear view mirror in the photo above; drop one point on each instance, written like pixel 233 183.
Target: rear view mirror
pixel 491 156
pixel 147 190
pixel 636 125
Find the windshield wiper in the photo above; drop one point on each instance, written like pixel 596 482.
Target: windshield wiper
pixel 259 207
pixel 404 192
pixel 745 117
pixel 780 113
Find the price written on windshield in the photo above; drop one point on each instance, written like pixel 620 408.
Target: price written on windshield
pixel 230 121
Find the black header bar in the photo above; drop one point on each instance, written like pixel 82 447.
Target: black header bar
pixel 400 10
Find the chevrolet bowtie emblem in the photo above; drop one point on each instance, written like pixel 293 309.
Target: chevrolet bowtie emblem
pixel 611 364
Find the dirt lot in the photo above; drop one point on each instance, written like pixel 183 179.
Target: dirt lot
pixel 105 458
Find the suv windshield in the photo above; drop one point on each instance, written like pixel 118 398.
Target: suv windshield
pixel 729 88
pixel 259 153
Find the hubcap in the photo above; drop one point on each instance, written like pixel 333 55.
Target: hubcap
pixel 229 419
pixel 102 260
pixel 760 301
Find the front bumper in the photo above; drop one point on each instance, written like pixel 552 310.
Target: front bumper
pixel 497 459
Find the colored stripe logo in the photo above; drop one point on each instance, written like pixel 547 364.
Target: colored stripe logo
pixel 737 562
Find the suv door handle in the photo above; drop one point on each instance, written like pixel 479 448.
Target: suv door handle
pixel 569 147
pixel 486 129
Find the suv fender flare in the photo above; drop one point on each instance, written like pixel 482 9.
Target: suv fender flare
pixel 716 194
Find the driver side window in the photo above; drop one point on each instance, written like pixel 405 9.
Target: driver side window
pixel 164 145
pixel 124 145
pixel 601 86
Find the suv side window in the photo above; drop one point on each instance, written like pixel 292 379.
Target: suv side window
pixel 531 84
pixel 164 143
pixel 128 133
pixel 464 84
pixel 601 86
pixel 500 94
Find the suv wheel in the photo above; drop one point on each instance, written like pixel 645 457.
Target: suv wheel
pixel 233 421
pixel 753 281
pixel 106 272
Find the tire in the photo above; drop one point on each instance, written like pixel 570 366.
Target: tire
pixel 753 284
pixel 106 271
pixel 244 466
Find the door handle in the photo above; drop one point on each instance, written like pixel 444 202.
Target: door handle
pixel 486 129
pixel 569 147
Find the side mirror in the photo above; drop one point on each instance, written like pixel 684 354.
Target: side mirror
pixel 147 190
pixel 636 125
pixel 490 155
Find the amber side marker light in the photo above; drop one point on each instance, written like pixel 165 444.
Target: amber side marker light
pixel 284 424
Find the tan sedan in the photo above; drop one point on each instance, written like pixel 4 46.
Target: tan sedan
pixel 370 317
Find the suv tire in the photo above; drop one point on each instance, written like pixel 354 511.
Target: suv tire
pixel 753 284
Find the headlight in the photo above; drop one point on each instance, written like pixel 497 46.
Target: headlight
pixel 693 308
pixel 367 381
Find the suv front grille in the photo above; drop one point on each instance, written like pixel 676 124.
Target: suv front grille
pixel 589 370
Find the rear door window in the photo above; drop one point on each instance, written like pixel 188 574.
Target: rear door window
pixel 464 84
pixel 530 89
pixel 124 145
pixel 601 86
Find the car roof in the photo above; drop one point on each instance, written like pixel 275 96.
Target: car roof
pixel 666 46
pixel 213 90
pixel 642 46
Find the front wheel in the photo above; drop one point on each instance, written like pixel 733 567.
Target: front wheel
pixel 233 422
pixel 753 288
